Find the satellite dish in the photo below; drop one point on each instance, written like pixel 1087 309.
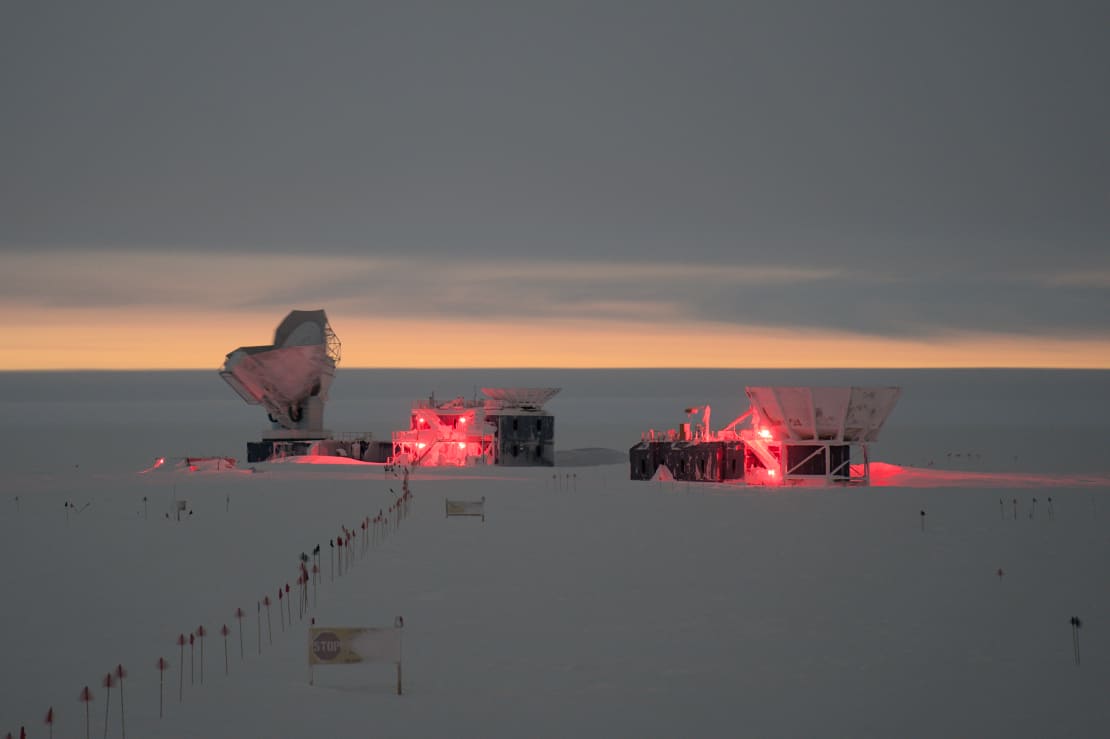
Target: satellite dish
pixel 290 377
pixel 845 414
pixel 525 398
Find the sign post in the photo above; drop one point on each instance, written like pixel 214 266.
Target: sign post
pixel 348 646
pixel 465 508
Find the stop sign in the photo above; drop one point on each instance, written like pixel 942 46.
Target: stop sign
pixel 326 645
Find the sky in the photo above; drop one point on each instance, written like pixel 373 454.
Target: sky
pixel 568 184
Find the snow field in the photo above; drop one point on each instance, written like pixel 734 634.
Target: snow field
pixel 602 607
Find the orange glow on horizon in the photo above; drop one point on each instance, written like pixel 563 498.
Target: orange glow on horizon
pixel 133 340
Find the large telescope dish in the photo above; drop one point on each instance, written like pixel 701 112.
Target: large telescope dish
pixel 290 377
pixel 848 414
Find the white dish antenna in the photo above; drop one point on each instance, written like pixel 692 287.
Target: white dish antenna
pixel 525 398
pixel 290 376
pixel 848 414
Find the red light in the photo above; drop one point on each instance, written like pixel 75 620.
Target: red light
pixel 771 473
pixel 765 433
pixel 462 419
pixel 420 445
pixel 462 445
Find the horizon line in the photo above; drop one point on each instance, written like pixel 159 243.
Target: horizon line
pixel 391 368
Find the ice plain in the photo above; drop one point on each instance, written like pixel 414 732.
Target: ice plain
pixel 586 604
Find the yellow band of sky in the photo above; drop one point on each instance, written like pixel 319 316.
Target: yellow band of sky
pixel 131 339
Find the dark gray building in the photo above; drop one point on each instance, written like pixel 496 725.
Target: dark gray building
pixel 523 439
pixel 524 430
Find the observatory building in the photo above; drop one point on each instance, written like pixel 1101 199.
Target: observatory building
pixel 509 426
pixel 290 379
pixel 789 436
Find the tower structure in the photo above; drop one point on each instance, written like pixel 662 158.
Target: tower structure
pixel 788 436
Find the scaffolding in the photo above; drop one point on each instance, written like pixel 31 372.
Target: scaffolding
pixel 792 436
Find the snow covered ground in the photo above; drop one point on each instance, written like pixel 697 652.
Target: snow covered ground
pixel 585 605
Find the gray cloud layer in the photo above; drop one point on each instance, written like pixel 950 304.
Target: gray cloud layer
pixel 921 305
pixel 948 160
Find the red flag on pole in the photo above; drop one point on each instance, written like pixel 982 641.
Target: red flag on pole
pixel 163 665
pixel 224 631
pixel 201 633
pixel 86 698
pixel 239 615
pixel 108 682
pixel 121 673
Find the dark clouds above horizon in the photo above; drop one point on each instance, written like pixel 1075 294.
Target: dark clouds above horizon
pixel 910 168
